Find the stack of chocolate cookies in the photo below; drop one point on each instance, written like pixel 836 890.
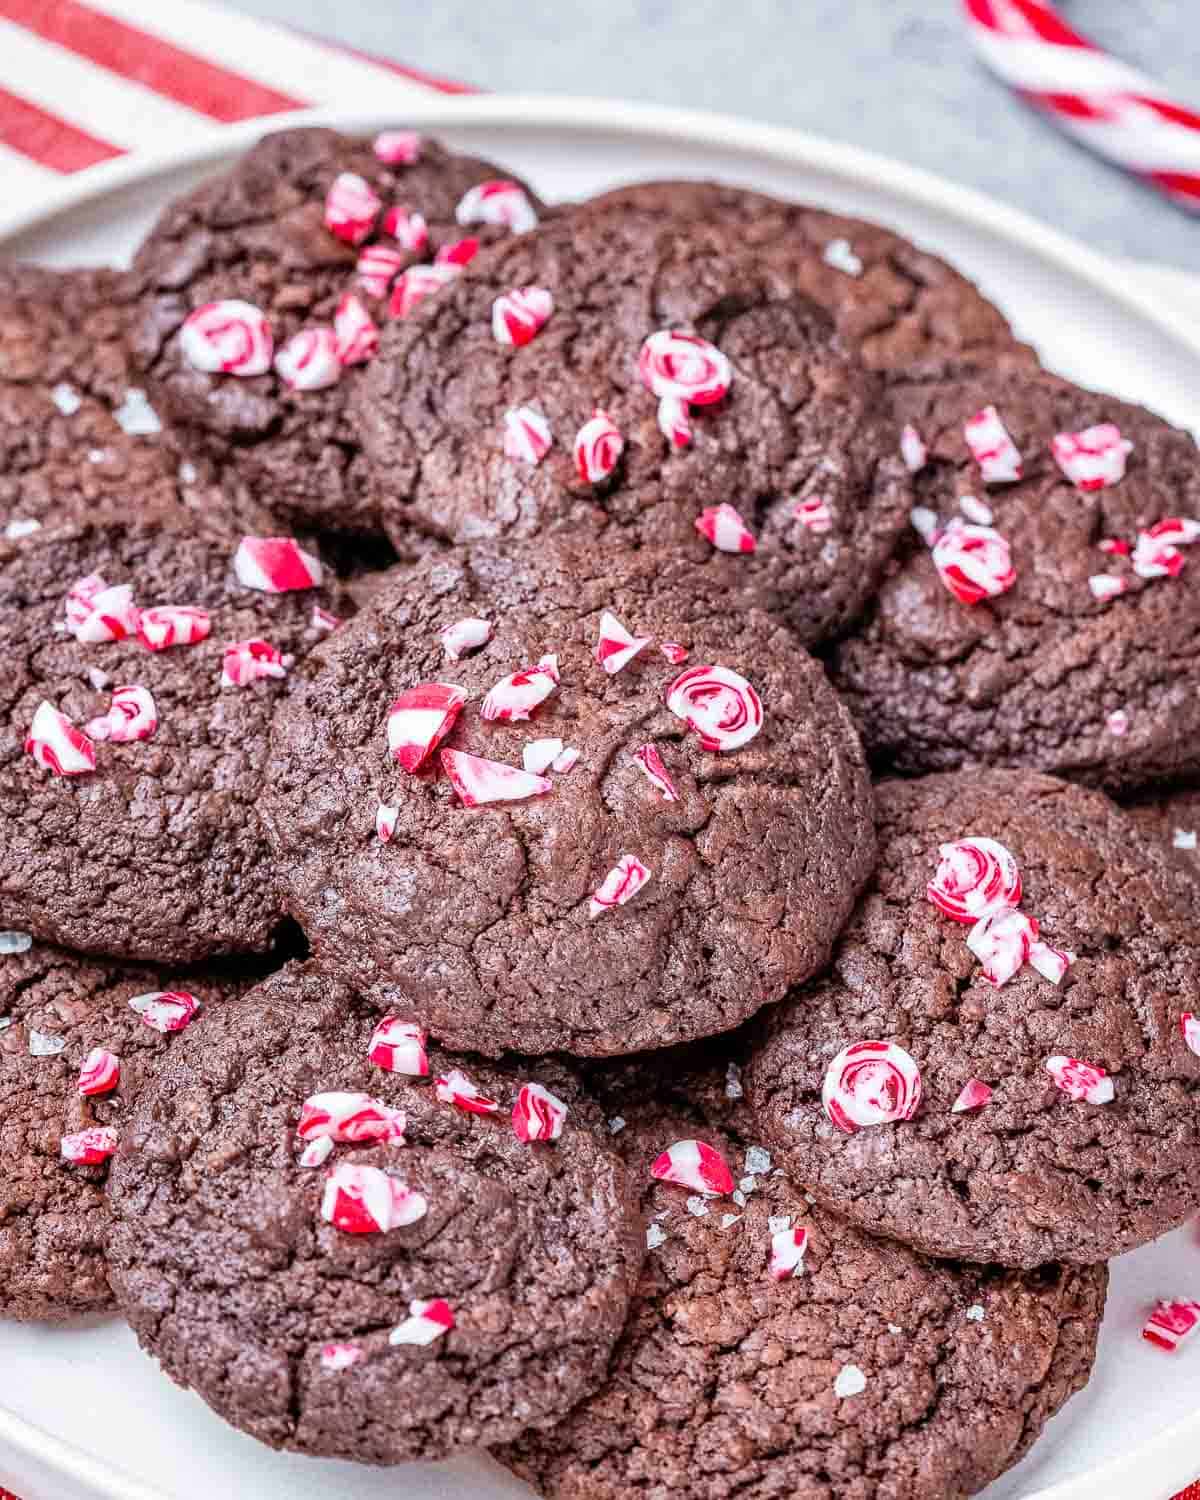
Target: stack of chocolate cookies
pixel 562 891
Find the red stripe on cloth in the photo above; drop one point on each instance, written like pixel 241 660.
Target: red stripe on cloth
pixel 1177 114
pixel 1184 185
pixel 146 59
pixel 997 15
pixel 1072 105
pixel 51 142
pixel 418 75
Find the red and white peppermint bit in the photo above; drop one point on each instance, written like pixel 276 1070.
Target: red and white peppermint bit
pixel 538 1115
pixel 515 697
pixel 675 422
pixel 456 1088
pixel 695 1165
pixel 1115 546
pixel 338 1357
pixel 651 763
pixel 975 510
pixel 1155 554
pixel 100 1073
pixel 166 1010
pixel 974 878
pixel 498 202
pixel 568 758
pixel 1189 1029
pixel 912 449
pixel 974 562
pixel 616 647
pixel 323 619
pixel 244 662
pixel 539 755
pixel 427 1321
pixel 815 514
pixel 1086 1083
pixel 675 652
pixel 621 884
pixel 458 253
pixel 1106 586
pixel 98 613
pixel 399 148
pixel 165 625
pixel 309 360
pixel 365 1200
pixel 717 704
pixel 527 436
pixel 975 1094
pixel 132 715
pixel 56 744
pixel 227 338
pixel 377 267
pixel 725 529
pixel 1050 963
pixel 787 1254
pixel 386 818
pixel 356 332
pixel 674 363
pixel 408 228
pixel 350 1119
pixel 465 635
pixel 316 1153
pixel 871 1083
pixel 420 719
pixel 1002 942
pixel 351 207
pixel 1170 1323
pixel 398 1046
pixel 79 603
pixel 598 447
pixel 1093 458
pixel 992 448
pixel 417 283
pixel 520 315
pixel 89 1147
pixel 478 781
pixel 275 565
pixel 1117 722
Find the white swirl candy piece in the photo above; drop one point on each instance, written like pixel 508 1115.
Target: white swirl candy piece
pixel 456 1088
pixel 815 514
pixel 538 1115
pixel 684 366
pixel 498 202
pixel 598 448
pixel 718 705
pixel 355 331
pixel 378 266
pixel 165 625
pixel 974 1095
pixel 166 1010
pixel 351 207
pixel 399 148
pixel 244 662
pixel 1170 1323
pixel 88 1148
pixel 871 1083
pixel 309 360
pixel 912 449
pixel 408 228
pixel 516 697
pixel 275 565
pixel 465 635
pixel 100 1073
pixel 56 744
pixel 350 1119
pixel 1189 1029
pixel 386 818
pixel 1086 1083
pixel 316 1153
pixel 417 283
pixel 621 884
pixel 338 1357
pixel 365 1200
pixel 132 715
pixel 675 422
pixel 227 338
pixel 695 1165
pixel 1050 963
pixel 420 719
pixel 97 612
pixel 520 315
pixel 975 877
pixel 656 773
pixel 975 510
pixel 398 1046
pixel 527 436
pixel 478 781
pixel 1002 942
pixel 725 529
pixel 788 1247
pixel 992 448
pixel 427 1321
pixel 539 755
pixel 974 562
pixel 616 647
pixel 1094 458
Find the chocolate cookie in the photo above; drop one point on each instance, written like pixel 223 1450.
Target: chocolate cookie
pixel 1076 657
pixel 74 1055
pixel 259 236
pixel 488 1308
pixel 1050 1115
pixel 778 472
pixel 775 1350
pixel 899 303
pixel 148 845
pixel 664 887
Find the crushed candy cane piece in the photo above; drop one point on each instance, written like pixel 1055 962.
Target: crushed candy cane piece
pixel 975 878
pixel 1002 942
pixel 135 416
pixel 275 565
pixel 974 562
pixel 316 1153
pixel 598 447
pixel 788 1247
pixel 675 422
pixel 621 884
pixel 408 228
pixel 717 704
pixel 563 762
pixel 675 652
pixel 165 625
pixel 66 398
pixel 418 282
pixel 338 1357
pixel 975 510
pixel 100 1072
pixel 694 1164
pixel 426 1321
pixel 16 529
pixel 351 207
pixel 1094 458
pixel 616 647
pixel 1171 1323
pixel 458 253
pixel 871 1083
pixel 323 619
pixel 98 679
pixel 1106 585
pixel 516 697
pixel 725 529
pixel 229 338
pixel 538 1115
pixel 166 1010
pixel 841 257
pixel 398 1046
pixel 758 1160
pixel 925 523
pixel 41 1044
pixel 697 1207
pixel 244 662
pixel 815 514
pixel 974 1095
pixel 1086 1083
pixel 356 332
pixel 378 266
pixel 478 781
pixel 850 1382
pixel 420 719
pixel 656 773
pixel 1050 963
pixel 399 148
pixel 975 1313
pixel 386 818
pixel 309 360
pixel 1189 1029
pixel 520 315
pixel 912 449
pixel 57 745
pixel 15 942
pixel 655 1236
pixel 1183 838
pixel 465 635
pixel 527 436
pixel 992 448
pixel 456 1088
pixel 132 715
pixel 1115 546
pixel 97 612
pixel 1156 553
pixel 350 1119
pixel 498 202
pixel 365 1200
pixel 88 1148
pixel 1117 722
pixel 539 755
pixel 683 365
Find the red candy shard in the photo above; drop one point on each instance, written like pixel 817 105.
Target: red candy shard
pixel 88 1148
pixel 417 283
pixel 538 1115
pixel 478 781
pixel 912 449
pixel 100 1073
pixel 244 662
pixel 1156 554
pixel 695 1165
pixel 527 436
pixel 386 818
pixel 132 715
pixel 621 884
pixel 815 514
pixel 786 1260
pixel 975 1094
pixel 616 647
pixel 976 877
pixel 498 202
pixel 465 635
pixel 456 1088
pixel 355 331
pixel 675 652
pixel 398 1046
pixel 684 366
pixel 725 529
pixel 1002 942
pixel 379 265
pixel 309 360
pixel 398 147
pixel 515 697
pixel 564 761
pixel 459 253
pixel 718 705
pixel 1171 1323
pixel 420 719
pixel 165 625
pixel 56 744
pixel 1094 458
pixel 351 208
pixel 871 1083
pixel 409 229
pixel 598 447
pixel 1086 1083
pixel 992 447
pixel 350 1119
pixel 1189 1029
pixel 275 565
pixel 520 315
pixel 651 763
pixel 426 1321
pixel 338 1357
pixel 974 562
pixel 675 422
pixel 228 338
pixel 167 1010
pixel 1115 546
pixel 365 1200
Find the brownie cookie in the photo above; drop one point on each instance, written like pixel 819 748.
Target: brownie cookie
pixel 258 235
pixel 492 921
pixel 898 303
pixel 325 1341
pixel 74 1056
pixel 1050 1115
pixel 156 852
pixel 752 1369
pixel 1083 665
pixel 799 445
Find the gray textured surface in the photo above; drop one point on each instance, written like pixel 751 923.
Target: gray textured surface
pixel 893 75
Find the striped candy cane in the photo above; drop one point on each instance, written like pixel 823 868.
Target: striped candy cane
pixel 1111 108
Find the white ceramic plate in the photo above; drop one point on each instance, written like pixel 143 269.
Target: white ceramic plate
pixel 83 1414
